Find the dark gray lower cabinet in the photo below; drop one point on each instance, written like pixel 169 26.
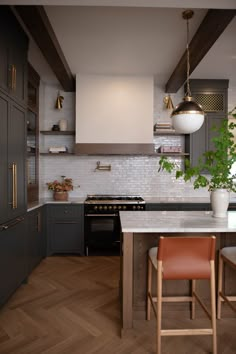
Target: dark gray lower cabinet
pixel 65 229
pixel 36 240
pixel 13 260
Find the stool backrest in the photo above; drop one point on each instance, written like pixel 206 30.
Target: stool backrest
pixel 186 257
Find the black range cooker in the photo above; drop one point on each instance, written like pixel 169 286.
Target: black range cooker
pixel 102 223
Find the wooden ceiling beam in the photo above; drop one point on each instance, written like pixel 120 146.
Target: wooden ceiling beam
pixel 212 26
pixel 39 26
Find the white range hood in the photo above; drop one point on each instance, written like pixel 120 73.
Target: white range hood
pixel 114 114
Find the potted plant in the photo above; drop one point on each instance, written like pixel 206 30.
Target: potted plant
pixel 214 168
pixel 61 189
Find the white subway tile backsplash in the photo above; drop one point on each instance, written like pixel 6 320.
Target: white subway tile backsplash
pixel 128 175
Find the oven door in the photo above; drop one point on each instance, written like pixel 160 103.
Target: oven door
pixel 102 234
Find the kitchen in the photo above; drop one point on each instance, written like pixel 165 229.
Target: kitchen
pixel 129 174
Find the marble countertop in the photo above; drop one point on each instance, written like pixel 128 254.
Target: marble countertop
pixel 43 201
pixel 193 200
pixel 176 221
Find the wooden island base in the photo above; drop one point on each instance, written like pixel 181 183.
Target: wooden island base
pixel 134 263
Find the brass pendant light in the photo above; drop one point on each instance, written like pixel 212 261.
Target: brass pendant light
pixel 188 116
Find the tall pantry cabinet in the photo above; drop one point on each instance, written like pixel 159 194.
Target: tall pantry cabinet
pixel 13 100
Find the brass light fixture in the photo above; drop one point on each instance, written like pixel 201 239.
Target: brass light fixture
pixel 188 116
pixel 168 102
pixel 59 101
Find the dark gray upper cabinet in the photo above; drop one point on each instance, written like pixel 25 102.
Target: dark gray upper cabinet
pixel 213 96
pixel 13 56
pixel 13 49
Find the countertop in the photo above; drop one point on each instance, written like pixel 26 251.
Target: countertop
pixel 193 200
pixel 43 201
pixel 176 221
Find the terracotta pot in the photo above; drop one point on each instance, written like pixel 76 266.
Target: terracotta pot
pixel 60 196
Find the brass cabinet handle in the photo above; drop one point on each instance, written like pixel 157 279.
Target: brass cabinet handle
pixel 14 74
pixel 14 185
pixel 39 222
pixel 12 81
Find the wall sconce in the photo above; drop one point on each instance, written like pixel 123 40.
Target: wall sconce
pixel 168 102
pixel 59 101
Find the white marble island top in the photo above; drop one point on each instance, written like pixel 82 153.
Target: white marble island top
pixel 176 221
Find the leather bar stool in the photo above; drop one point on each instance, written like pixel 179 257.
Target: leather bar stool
pixel 182 258
pixel 226 255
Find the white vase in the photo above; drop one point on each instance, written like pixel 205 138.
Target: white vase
pixel 219 202
pixel 63 124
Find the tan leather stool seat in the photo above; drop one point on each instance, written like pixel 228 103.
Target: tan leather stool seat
pixel 182 258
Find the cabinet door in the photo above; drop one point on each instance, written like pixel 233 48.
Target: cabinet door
pixel 35 241
pixel 16 160
pixel 13 270
pixel 18 71
pixel 4 109
pixel 198 143
pixel 65 229
pixel 13 55
pixel 65 237
pixel 162 207
pixel 3 60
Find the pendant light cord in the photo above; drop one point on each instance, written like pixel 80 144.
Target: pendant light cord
pixel 188 93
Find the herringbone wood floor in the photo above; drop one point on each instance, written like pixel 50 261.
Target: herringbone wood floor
pixel 71 306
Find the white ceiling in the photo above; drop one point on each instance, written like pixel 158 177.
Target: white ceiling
pixel 137 37
pixel 136 41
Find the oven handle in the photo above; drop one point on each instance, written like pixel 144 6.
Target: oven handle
pixel 101 214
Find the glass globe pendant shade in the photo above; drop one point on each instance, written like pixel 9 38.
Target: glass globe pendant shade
pixel 188 116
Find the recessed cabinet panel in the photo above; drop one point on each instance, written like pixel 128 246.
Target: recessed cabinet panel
pixel 16 161
pixel 4 107
pixel 65 229
pixel 65 237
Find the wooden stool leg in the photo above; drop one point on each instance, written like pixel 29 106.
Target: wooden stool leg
pixel 193 304
pixel 220 277
pixel 159 305
pixel 213 306
pixel 149 289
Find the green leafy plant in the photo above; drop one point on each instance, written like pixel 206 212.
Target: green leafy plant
pixel 216 164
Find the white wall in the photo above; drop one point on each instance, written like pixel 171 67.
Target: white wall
pixel 129 174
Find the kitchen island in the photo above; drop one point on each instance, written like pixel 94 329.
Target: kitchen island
pixel 141 231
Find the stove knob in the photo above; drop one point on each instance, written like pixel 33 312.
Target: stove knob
pixel 124 207
pixel 119 207
pixel 100 208
pixel 110 207
pixel 105 207
pixel 141 207
pixel 95 208
pixel 134 207
pixel 114 207
pixel 138 207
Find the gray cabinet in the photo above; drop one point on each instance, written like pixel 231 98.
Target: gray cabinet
pixel 65 229
pixel 213 96
pixel 13 262
pixel 13 56
pixel 12 159
pixel 13 72
pixel 36 245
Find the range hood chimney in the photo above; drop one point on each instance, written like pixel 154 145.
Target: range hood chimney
pixel 114 114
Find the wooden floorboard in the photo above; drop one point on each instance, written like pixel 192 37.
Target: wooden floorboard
pixel 70 305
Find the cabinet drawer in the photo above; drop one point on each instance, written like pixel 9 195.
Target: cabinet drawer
pixel 64 211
